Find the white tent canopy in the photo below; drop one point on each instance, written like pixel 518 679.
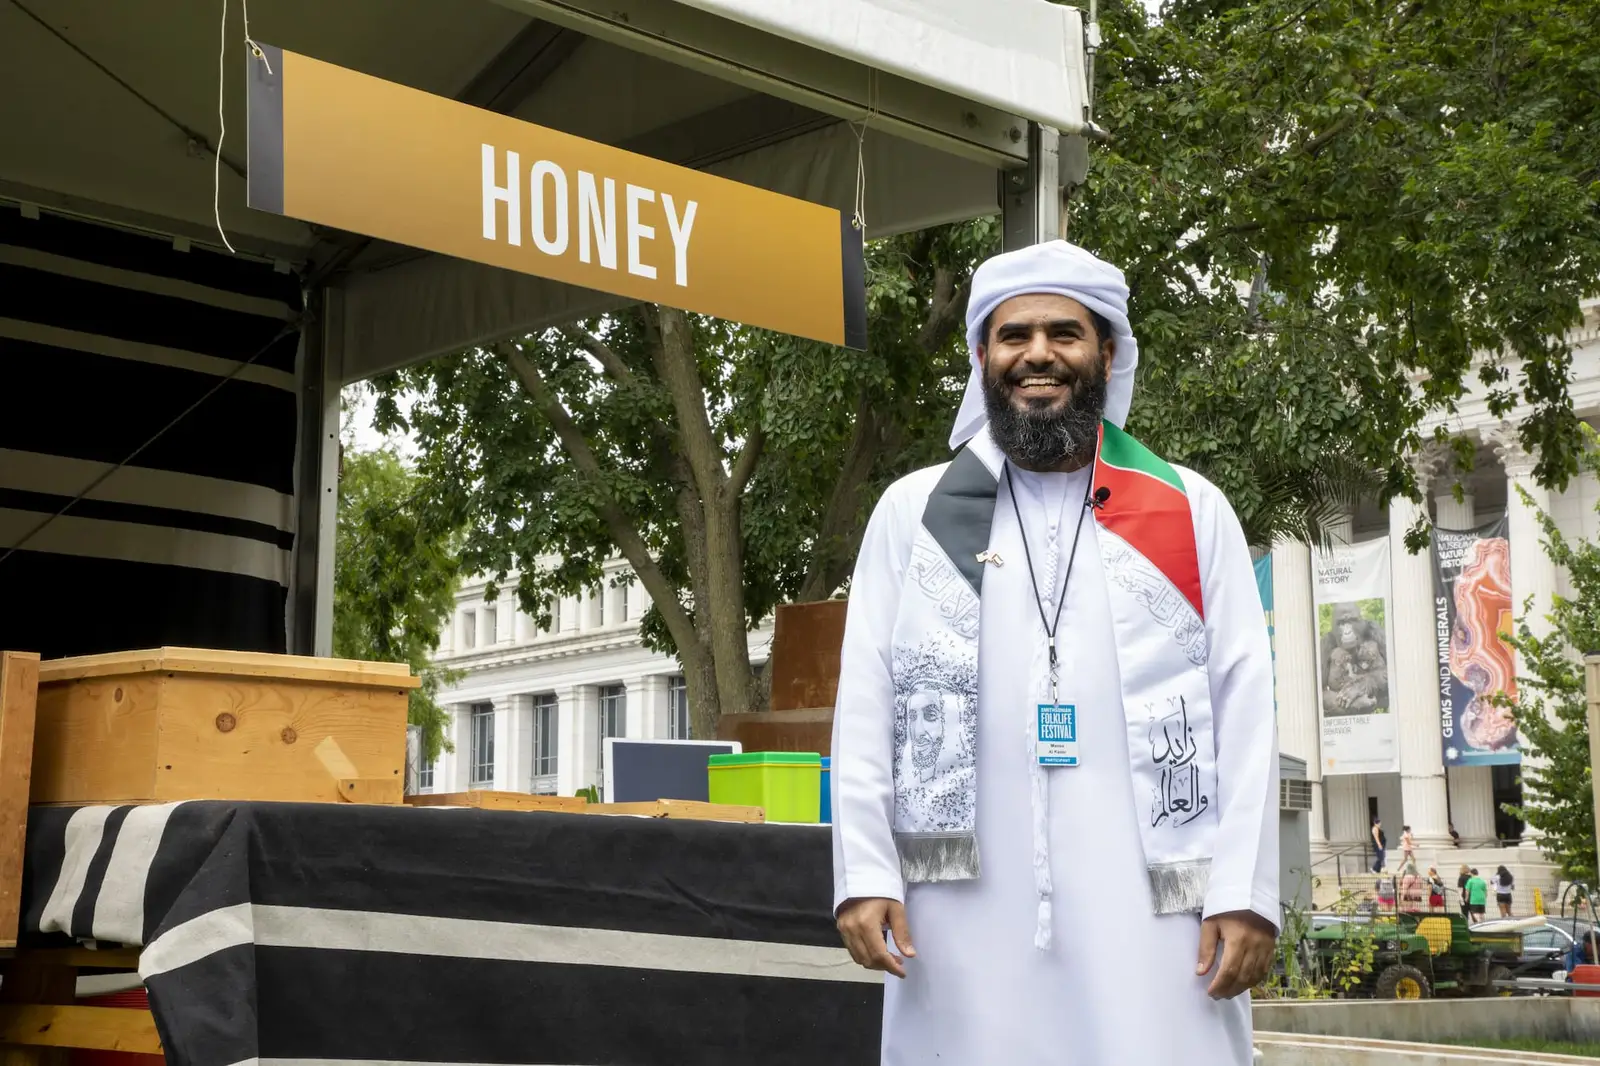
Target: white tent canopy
pixel 109 112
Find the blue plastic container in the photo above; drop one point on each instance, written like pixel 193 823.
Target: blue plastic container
pixel 826 815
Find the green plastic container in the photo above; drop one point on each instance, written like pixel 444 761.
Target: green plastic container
pixel 786 784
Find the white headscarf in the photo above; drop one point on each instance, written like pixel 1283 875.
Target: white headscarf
pixel 1066 270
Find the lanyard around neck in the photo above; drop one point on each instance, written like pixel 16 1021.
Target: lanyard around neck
pixel 1050 625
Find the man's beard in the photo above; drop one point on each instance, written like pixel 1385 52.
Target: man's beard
pixel 1045 438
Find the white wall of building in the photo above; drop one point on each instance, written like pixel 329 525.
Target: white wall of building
pixel 589 658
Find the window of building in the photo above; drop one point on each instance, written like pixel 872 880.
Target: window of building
pixel 491 624
pixel 613 715
pixel 546 716
pixel 469 629
pixel 600 606
pixel 622 596
pixel 555 614
pixel 678 708
pixel 425 775
pixel 482 747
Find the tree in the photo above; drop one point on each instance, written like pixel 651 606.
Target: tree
pixel 1551 707
pixel 1326 213
pixel 732 468
pixel 395 577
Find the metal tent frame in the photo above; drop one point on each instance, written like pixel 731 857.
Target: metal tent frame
pixel 953 108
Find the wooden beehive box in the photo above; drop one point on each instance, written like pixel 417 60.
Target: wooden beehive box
pixel 185 723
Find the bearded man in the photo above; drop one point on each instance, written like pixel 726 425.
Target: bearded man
pixel 1098 608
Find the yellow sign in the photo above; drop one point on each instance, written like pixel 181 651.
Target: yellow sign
pixel 347 150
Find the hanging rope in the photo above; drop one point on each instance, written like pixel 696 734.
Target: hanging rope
pixel 222 119
pixel 859 219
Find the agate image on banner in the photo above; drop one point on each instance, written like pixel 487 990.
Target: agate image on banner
pixel 1472 589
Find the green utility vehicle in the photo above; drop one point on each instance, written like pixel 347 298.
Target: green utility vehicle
pixel 1418 954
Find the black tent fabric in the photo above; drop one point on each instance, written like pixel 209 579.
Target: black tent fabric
pixel 105 337
pixel 340 933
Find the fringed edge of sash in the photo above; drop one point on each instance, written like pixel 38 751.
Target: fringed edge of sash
pixel 929 857
pixel 1180 887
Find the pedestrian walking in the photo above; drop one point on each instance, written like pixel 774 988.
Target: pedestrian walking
pixel 1477 897
pixel 1379 843
pixel 1435 889
pixel 1461 887
pixel 1503 883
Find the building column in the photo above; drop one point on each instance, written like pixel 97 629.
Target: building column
pixel 510 741
pixel 523 628
pixel 461 735
pixel 652 707
pixel 1471 788
pixel 1295 645
pixel 1533 575
pixel 575 738
pixel 1344 795
pixel 1414 675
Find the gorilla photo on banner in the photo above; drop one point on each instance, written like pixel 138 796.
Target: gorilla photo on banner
pixel 1355 668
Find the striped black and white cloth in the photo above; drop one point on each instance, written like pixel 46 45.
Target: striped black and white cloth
pixel 308 934
pixel 106 336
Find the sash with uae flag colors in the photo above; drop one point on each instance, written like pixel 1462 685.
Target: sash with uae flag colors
pixel 1149 553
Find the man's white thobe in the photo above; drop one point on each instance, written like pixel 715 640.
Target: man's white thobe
pixel 1117 986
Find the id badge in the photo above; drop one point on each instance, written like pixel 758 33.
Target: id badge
pixel 1057 743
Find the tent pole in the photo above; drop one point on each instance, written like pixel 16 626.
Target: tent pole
pixel 1030 196
pixel 316 478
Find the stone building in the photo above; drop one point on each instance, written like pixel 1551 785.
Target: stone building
pixel 1425 793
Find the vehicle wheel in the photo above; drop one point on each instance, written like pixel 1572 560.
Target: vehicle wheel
pixel 1497 973
pixel 1402 982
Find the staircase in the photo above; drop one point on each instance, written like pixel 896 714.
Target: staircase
pixel 1347 865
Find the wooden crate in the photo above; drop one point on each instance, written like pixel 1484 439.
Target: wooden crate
pixel 809 730
pixel 491 800
pixel 706 812
pixel 185 723
pixel 806 639
pixel 19 684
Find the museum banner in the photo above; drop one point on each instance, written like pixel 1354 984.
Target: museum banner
pixel 1472 608
pixel 1353 655
pixel 1264 590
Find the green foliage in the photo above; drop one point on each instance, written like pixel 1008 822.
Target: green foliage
pixel 394 580
pixel 1318 203
pixel 1294 974
pixel 1551 706
pixel 1325 213
pixel 1371 609
pixel 1353 959
pixel 829 428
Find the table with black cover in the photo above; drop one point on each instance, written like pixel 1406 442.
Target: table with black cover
pixel 324 933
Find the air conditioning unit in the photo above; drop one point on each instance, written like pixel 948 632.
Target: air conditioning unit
pixel 1294 794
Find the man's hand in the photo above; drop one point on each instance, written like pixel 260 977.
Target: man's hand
pixel 1247 945
pixel 862 922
